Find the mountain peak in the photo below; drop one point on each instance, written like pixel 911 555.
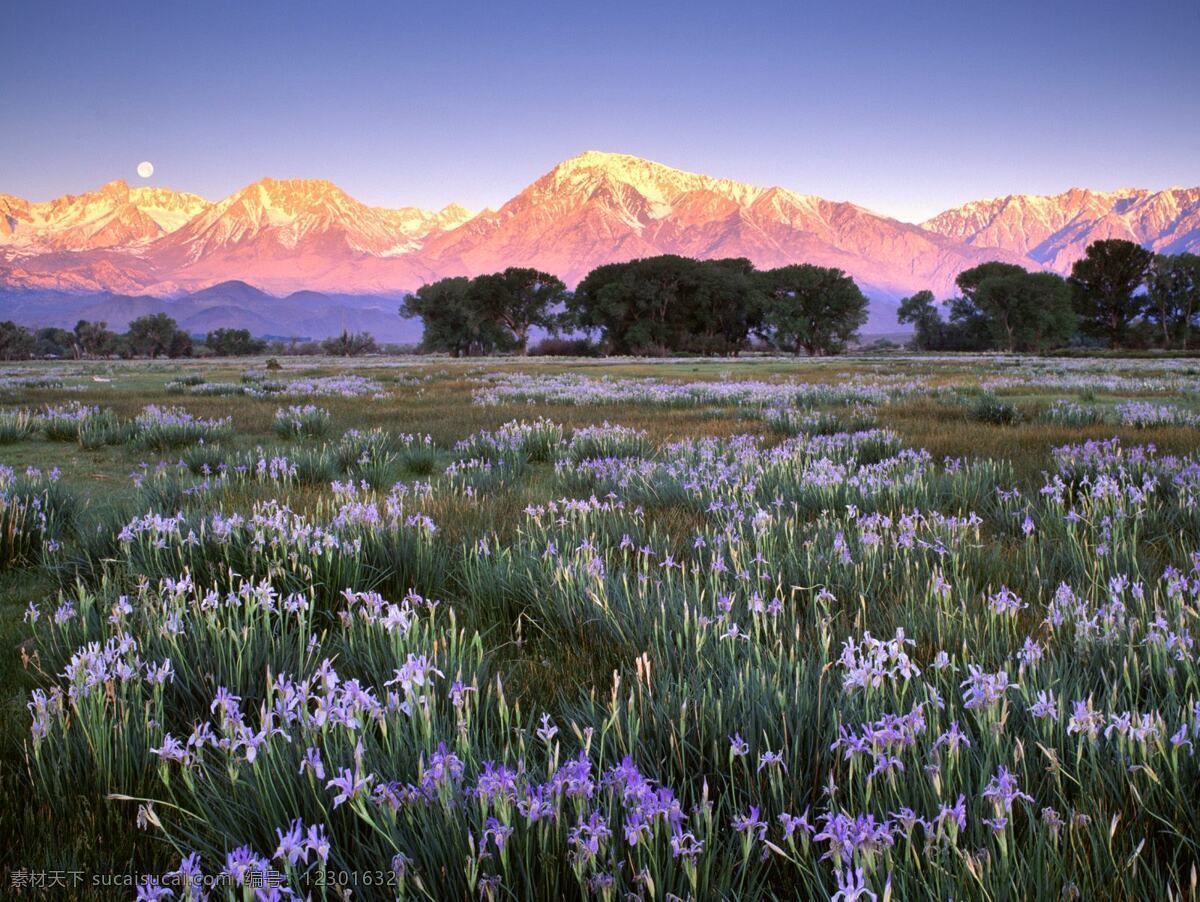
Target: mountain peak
pixel 603 159
pixel 656 186
pixel 113 216
pixel 306 186
pixel 1054 230
pixel 622 166
pixel 292 195
pixel 596 207
pixel 231 289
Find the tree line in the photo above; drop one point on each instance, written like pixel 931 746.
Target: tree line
pixel 1118 294
pixel 657 304
pixel 158 335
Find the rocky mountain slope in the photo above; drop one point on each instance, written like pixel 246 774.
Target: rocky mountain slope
pixel 1056 230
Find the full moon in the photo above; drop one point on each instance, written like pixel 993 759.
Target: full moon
pixel 145 169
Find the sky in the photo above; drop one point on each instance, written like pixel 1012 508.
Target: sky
pixel 904 108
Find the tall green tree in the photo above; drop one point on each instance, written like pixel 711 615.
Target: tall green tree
pixel 450 323
pixel 1173 293
pixel 811 308
pixel 181 345
pixel 156 334
pixel 1026 311
pixel 920 312
pixel 969 280
pixel 968 328
pixel 94 338
pixel 517 300
pixel 634 304
pixel 233 343
pixel 51 341
pixel 721 304
pixel 16 342
pixel 1105 282
pixel 670 303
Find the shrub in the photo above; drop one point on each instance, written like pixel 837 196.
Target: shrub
pixel 565 347
pixel 987 408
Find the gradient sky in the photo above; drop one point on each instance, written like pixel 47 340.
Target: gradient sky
pixel 905 108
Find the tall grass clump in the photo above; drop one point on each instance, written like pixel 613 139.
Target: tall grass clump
pixel 1064 412
pixel 417 453
pixel 795 421
pixel 183 384
pixel 62 423
pixel 104 429
pixel 987 408
pixel 608 440
pixel 536 441
pixel 16 426
pixel 164 428
pixel 36 512
pixel 301 421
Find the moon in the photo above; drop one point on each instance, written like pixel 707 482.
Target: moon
pixel 145 169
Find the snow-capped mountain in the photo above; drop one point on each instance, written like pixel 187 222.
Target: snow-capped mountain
pixel 297 215
pixel 114 216
pixel 299 233
pixel 291 235
pixel 284 235
pixel 601 207
pixel 1056 230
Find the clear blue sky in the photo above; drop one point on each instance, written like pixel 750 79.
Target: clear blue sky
pixel 903 108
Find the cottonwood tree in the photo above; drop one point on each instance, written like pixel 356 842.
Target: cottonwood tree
pixel 1173 295
pixel 157 334
pixel 723 303
pixel 94 338
pixel 1026 311
pixel 51 341
pixel 966 330
pixel 450 322
pixel 517 300
pixel 633 304
pixel 920 312
pixel 16 342
pixel 969 280
pixel 233 343
pixel 970 327
pixel 811 308
pixel 669 303
pixel 1105 282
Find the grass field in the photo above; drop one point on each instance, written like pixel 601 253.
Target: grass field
pixel 876 627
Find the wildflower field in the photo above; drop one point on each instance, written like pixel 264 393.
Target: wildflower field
pixel 856 628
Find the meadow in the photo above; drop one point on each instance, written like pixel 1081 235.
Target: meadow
pixel 856 628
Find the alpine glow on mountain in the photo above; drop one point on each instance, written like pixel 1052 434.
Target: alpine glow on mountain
pixel 306 234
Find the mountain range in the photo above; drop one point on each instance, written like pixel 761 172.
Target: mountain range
pixel 321 257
